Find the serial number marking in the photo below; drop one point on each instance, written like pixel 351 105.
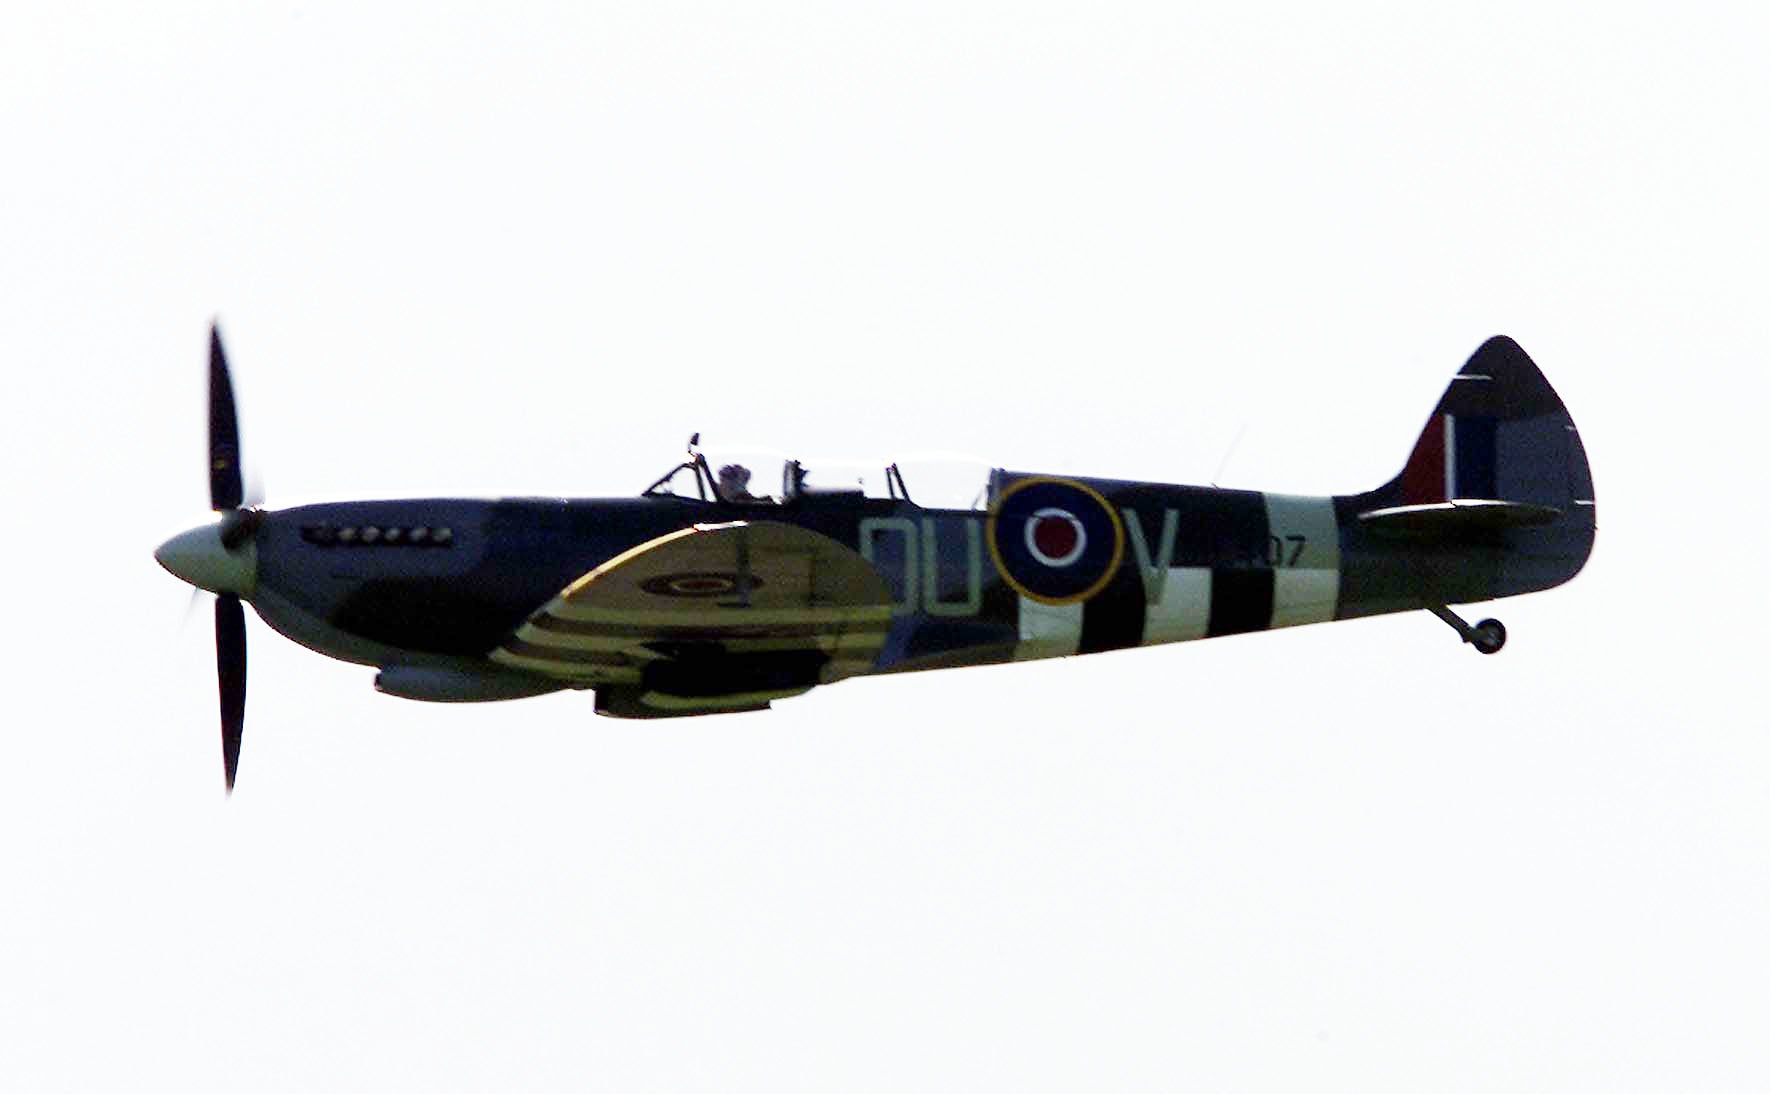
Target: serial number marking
pixel 1284 551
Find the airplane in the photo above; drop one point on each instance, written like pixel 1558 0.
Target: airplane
pixel 701 597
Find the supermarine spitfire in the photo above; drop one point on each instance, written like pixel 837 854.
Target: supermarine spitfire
pixel 699 597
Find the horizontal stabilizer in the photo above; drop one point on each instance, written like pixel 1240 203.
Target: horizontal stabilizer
pixel 1456 518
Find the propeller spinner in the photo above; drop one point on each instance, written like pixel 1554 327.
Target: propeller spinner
pixel 222 557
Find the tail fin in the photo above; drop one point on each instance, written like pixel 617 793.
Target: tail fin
pixel 1499 433
pixel 1500 462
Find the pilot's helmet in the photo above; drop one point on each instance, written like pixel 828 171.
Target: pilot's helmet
pixel 734 478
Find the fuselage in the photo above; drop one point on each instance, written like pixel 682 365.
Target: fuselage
pixel 444 581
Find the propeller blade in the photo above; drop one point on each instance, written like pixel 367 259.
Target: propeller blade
pixel 230 669
pixel 225 489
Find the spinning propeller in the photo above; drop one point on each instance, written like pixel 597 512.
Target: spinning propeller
pixel 222 557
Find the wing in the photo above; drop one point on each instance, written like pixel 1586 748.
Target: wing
pixel 713 617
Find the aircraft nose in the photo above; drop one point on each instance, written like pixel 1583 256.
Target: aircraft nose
pixel 199 558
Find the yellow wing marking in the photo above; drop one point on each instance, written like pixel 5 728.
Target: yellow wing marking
pixel 749 587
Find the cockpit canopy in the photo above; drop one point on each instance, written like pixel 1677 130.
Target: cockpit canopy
pixel 758 477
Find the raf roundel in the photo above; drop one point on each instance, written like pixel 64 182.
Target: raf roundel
pixel 1054 540
pixel 698 584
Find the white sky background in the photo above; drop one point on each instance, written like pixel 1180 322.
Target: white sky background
pixel 465 252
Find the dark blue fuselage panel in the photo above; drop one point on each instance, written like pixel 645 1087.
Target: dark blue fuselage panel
pixel 501 560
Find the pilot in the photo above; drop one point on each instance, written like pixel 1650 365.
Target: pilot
pixel 734 483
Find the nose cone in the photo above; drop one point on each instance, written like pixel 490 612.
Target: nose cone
pixel 198 557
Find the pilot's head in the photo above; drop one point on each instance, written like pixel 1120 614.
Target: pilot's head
pixel 734 479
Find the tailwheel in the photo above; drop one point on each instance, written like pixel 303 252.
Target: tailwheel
pixel 1489 636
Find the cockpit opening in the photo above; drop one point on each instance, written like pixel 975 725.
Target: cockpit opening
pixel 748 477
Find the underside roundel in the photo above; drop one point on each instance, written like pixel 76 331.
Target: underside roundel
pixel 696 584
pixel 1054 540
